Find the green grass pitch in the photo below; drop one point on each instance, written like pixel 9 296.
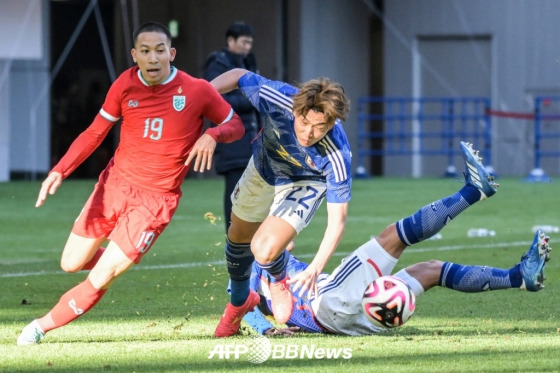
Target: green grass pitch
pixel 160 316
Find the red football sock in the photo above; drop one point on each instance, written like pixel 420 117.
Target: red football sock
pixel 93 261
pixel 76 302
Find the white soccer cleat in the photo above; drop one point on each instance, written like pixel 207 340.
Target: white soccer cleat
pixel 31 334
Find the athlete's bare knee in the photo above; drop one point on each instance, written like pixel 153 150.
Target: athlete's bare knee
pixel 265 250
pixel 70 262
pixel 434 264
pixel 78 251
pixel 70 266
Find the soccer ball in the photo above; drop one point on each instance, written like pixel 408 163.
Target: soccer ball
pixel 388 302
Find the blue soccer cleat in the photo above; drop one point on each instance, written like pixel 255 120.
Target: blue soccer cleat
pixel 475 173
pixel 533 262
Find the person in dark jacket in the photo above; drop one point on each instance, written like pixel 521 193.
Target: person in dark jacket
pixel 231 159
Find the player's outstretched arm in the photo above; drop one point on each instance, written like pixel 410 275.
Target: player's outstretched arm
pixel 258 321
pixel 286 332
pixel 261 325
pixel 307 279
pixel 81 148
pixel 49 186
pixel 228 81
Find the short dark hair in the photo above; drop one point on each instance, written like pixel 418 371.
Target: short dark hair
pixel 151 26
pixel 238 29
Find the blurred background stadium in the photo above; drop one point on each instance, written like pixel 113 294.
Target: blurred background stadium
pixel 421 75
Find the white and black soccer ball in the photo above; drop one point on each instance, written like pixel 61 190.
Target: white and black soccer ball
pixel 388 302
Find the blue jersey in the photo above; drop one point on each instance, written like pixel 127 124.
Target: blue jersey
pixel 302 314
pixel 278 156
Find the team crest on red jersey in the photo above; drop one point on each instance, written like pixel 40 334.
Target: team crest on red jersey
pixel 179 102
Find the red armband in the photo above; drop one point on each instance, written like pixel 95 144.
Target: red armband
pixel 229 131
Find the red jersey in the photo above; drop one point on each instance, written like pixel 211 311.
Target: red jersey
pixel 160 125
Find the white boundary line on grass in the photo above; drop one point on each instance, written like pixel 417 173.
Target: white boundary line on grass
pixel 221 262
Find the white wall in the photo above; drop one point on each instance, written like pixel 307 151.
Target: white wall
pixel 4 126
pixel 335 43
pixel 24 88
pixel 29 120
pixel 525 56
pixel 22 21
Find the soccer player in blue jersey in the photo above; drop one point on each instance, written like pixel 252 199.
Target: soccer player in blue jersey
pixel 300 157
pixel 336 307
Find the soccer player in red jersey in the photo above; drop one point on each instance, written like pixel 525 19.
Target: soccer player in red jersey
pixel 162 111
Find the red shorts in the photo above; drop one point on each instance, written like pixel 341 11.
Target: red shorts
pixel 130 216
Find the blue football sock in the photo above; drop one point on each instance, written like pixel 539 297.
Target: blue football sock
pixel 239 291
pixel 474 279
pixel 277 268
pixel 431 218
pixel 470 194
pixel 239 259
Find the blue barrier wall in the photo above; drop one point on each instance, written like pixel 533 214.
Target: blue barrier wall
pixel 546 137
pixel 420 136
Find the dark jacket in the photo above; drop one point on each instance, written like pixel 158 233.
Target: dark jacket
pixel 236 154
